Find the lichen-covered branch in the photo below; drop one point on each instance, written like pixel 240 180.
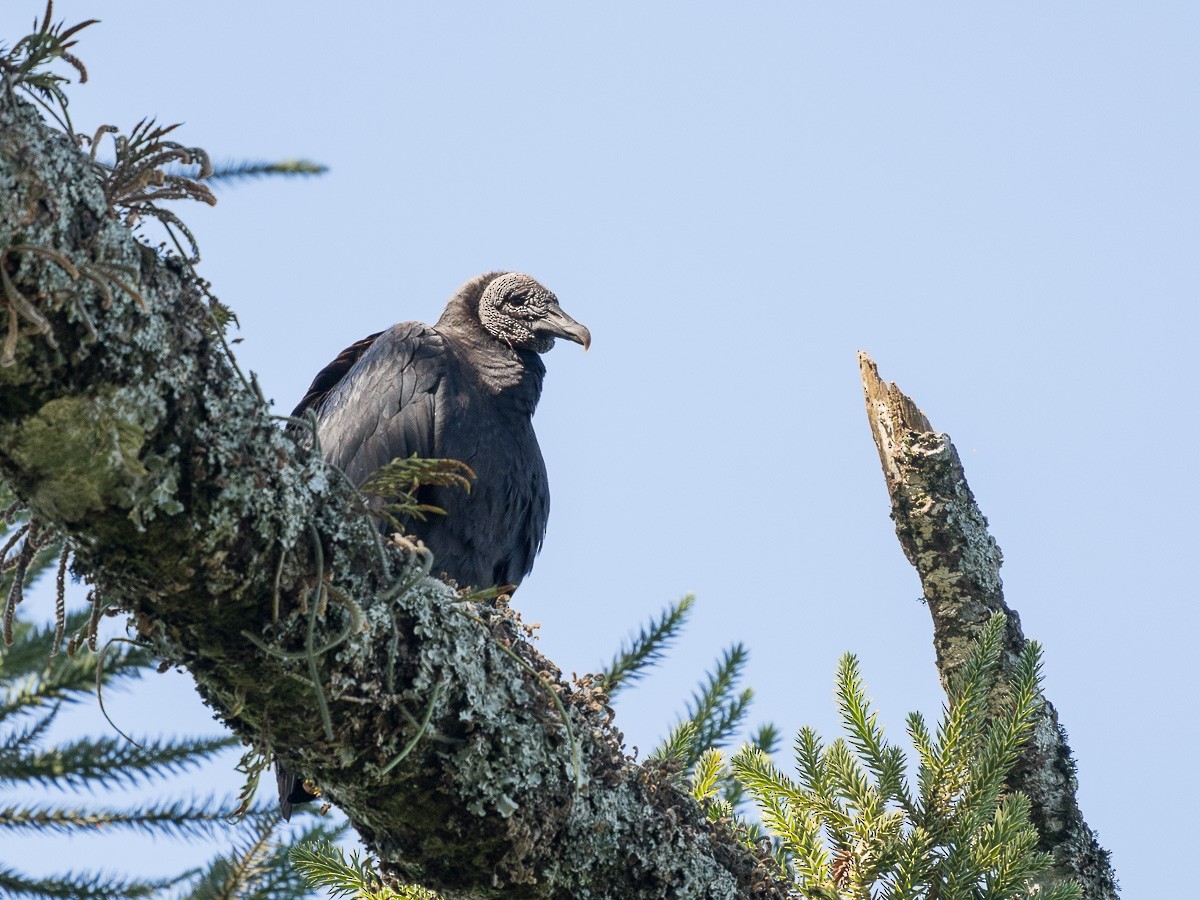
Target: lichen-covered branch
pixel 945 537
pixel 429 719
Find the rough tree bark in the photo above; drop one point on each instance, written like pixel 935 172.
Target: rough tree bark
pixel 243 558
pixel 945 537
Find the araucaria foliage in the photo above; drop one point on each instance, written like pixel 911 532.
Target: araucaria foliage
pixel 648 648
pixel 326 865
pixel 850 825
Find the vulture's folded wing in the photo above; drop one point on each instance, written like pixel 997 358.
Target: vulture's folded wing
pixel 378 399
pixel 327 379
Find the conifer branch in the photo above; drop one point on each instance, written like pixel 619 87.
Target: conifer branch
pixel 707 774
pixel 887 763
pixel 21 739
pixel 188 819
pixel 80 886
pixel 714 713
pixel 326 865
pixel 766 740
pixel 678 750
pixel 717 709
pixel 234 172
pixel 258 867
pixel 631 661
pixel 280 877
pixel 107 761
pixel 851 826
pixel 113 761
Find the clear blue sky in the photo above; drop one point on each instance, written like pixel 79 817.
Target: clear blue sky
pixel 999 202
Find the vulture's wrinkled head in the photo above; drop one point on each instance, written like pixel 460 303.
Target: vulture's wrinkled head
pixel 520 312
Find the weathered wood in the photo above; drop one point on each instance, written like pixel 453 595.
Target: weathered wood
pixel 945 537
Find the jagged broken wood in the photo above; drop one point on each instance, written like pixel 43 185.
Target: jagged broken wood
pixel 124 423
pixel 945 537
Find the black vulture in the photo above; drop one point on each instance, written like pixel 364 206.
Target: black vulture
pixel 462 389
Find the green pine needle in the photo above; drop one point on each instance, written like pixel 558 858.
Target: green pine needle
pixel 633 660
pixel 766 740
pixel 885 762
pixel 394 487
pixel 709 771
pixel 110 760
pixel 259 868
pixel 80 886
pixel 244 170
pixel 678 750
pixel 850 826
pixel 187 819
pixel 22 740
pixel 326 865
pixel 717 709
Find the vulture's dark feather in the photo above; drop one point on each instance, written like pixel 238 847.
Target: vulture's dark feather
pixel 329 376
pixel 462 389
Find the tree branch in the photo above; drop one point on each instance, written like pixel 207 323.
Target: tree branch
pixel 945 537
pixel 124 422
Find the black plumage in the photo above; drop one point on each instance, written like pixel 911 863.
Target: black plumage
pixel 466 389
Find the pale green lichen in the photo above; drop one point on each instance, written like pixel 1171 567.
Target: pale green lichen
pixel 87 454
pixel 83 455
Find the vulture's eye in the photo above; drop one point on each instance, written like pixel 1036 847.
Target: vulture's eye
pixel 517 299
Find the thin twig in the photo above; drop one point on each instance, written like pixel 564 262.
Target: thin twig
pixel 278 577
pixel 408 748
pixel 100 681
pixel 310 635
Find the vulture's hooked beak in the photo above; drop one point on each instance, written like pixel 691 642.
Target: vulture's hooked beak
pixel 559 324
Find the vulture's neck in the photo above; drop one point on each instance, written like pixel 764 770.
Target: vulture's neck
pixel 515 375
